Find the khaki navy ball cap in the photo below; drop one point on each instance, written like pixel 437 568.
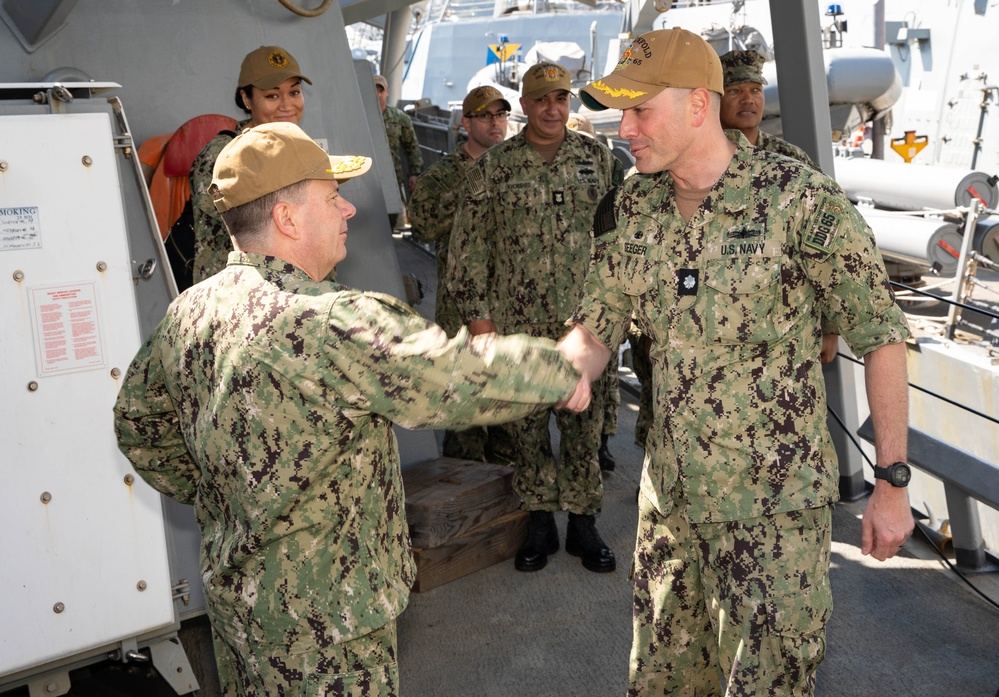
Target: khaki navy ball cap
pixel 269 157
pixel 269 66
pixel 743 66
pixel 654 61
pixel 478 99
pixel 543 78
pixel 380 81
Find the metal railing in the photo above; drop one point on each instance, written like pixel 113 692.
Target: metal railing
pixel 966 478
pixel 437 132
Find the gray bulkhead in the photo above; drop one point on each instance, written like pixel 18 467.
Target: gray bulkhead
pixel 164 62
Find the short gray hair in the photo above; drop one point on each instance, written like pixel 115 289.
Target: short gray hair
pixel 249 221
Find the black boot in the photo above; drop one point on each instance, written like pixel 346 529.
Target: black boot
pixel 542 540
pixel 582 540
pixel 607 463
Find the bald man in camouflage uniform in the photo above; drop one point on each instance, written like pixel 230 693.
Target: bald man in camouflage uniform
pixel 729 257
pixel 432 209
pixel 519 252
pixel 266 399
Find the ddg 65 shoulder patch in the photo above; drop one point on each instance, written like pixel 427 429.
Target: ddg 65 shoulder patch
pixel 825 223
pixel 605 217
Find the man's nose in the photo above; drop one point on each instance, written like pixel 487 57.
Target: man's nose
pixel 626 129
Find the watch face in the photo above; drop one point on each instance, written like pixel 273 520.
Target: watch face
pixel 900 474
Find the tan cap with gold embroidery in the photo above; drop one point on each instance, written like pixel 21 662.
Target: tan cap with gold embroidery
pixel 267 67
pixel 269 157
pixel 654 61
pixel 542 78
pixel 481 97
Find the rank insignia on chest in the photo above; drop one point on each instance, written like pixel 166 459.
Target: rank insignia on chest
pixel 558 198
pixel 686 281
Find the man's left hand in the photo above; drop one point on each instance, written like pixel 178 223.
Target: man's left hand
pixel 888 521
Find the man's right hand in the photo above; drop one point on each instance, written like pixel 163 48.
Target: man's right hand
pixel 585 352
pixel 580 398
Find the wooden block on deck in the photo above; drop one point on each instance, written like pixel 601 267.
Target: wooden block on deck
pixel 491 543
pixel 447 497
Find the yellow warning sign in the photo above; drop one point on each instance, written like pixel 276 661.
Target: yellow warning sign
pixel 909 145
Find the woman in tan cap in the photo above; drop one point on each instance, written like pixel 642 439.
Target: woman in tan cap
pixel 269 90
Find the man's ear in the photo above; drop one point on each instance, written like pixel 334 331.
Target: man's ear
pixel 700 105
pixel 284 215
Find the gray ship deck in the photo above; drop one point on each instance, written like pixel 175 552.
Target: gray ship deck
pixel 908 626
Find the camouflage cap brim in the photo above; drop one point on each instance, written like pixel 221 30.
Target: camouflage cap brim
pixel 737 77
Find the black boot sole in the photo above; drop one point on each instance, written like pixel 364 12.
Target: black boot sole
pixel 538 565
pixel 534 564
pixel 596 567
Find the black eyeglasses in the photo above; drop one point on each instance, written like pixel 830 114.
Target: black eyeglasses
pixel 498 116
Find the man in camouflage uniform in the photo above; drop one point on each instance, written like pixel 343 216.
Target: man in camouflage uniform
pixel 608 388
pixel 401 138
pixel 742 110
pixel 519 252
pixel 729 257
pixel 742 104
pixel 432 208
pixel 266 399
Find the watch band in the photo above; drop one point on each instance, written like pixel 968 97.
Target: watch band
pixel 897 474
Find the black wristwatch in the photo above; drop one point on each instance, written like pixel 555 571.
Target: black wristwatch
pixel 898 474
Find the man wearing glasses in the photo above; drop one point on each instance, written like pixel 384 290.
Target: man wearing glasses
pixel 432 207
pixel 520 249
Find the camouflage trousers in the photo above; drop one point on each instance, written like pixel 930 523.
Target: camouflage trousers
pixel 573 483
pixel 362 667
pixel 733 609
pixel 481 443
pixel 640 345
pixel 607 388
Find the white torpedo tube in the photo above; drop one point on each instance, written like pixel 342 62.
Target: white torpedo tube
pixel 917 240
pixel 908 187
